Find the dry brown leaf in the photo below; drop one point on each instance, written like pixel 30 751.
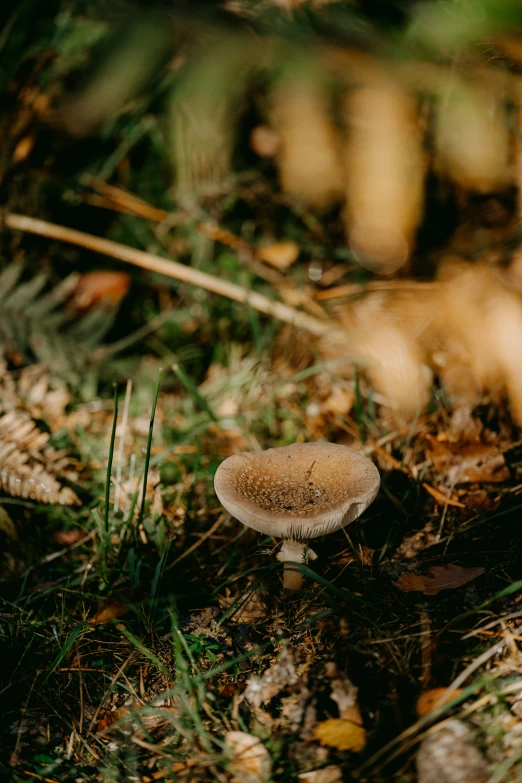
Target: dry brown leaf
pixel 330 774
pixel 438 578
pixel 468 463
pixel 344 694
pixel 264 141
pixel 447 755
pixel 480 502
pixel 279 254
pixel 341 734
pixel 69 537
pixel 100 286
pixel 249 760
pixel 246 610
pixel 138 721
pixel 434 697
pixel 23 149
pixel 412 545
pixel 179 766
pixel 113 607
pixel 282 673
pixel 298 712
pixel 339 402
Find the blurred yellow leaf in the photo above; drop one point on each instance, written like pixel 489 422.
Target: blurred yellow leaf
pixel 341 734
pixel 279 254
pixel 428 700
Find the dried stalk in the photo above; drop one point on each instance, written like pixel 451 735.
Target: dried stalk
pixel 171 269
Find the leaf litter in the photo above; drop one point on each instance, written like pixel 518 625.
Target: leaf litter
pixel 439 578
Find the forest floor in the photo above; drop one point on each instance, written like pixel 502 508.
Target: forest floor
pixel 137 635
pixel 140 625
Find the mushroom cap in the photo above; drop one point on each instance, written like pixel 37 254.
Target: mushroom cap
pixel 297 492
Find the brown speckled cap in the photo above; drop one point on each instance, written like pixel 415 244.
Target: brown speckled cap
pixel 297 492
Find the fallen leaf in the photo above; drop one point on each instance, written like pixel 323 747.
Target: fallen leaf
pixel 132 717
pixel 341 734
pixel 468 463
pixel 113 607
pixel 412 545
pixel 23 149
pixel 344 694
pixel 480 502
pixel 363 556
pixel 264 141
pixel 100 286
pixel 249 760
pixel 281 255
pixel 434 697
pixel 298 712
pixel 69 537
pixel 260 690
pixel 447 755
pixel 330 774
pixel 438 578
pixel 179 766
pixel 339 402
pixel 247 608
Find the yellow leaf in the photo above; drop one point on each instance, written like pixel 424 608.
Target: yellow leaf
pixel 429 699
pixel 341 734
pixel 280 254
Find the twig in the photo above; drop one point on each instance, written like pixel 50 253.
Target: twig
pixel 505 618
pixel 171 269
pixel 38 777
pixel 121 200
pixel 352 289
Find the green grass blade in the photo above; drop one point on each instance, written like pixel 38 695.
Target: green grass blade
pixel 193 390
pixel 65 649
pixel 144 650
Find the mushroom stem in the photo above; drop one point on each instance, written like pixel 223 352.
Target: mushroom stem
pixel 293 552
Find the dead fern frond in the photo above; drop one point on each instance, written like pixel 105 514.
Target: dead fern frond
pixel 29 467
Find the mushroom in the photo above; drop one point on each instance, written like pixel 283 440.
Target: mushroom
pixel 296 493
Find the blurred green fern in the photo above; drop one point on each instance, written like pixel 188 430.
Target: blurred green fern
pixel 37 325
